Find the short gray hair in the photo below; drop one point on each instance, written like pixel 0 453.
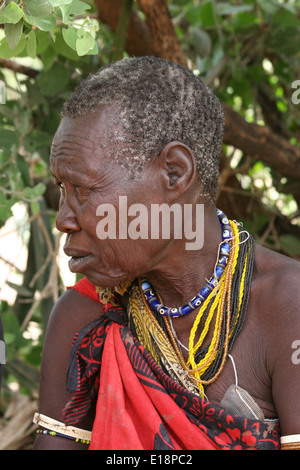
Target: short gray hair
pixel 159 102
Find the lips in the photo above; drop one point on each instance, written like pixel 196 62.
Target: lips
pixel 78 259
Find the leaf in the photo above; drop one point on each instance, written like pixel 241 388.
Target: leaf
pixel 35 140
pixel 62 48
pixel 35 207
pixel 267 6
pixel 70 36
pixel 43 23
pixel 48 58
pixel 58 3
pixel 207 16
pixel 37 8
pixel 5 207
pixel 31 45
pixel 202 16
pixel 84 43
pixel 11 14
pixel 244 19
pixel 35 192
pixel 7 138
pixel 54 80
pixel 70 11
pixel 6 52
pixel 201 42
pixel 13 33
pixel 285 17
pixel 223 8
pixel 23 169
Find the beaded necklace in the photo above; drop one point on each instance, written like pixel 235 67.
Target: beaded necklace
pixel 202 295
pixel 226 301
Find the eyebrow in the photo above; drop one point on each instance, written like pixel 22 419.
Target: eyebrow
pixel 74 178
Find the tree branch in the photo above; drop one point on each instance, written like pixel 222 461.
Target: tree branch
pixel 260 142
pixel 138 38
pixel 18 68
pixel 164 39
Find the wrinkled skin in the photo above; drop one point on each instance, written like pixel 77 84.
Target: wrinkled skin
pixel 87 178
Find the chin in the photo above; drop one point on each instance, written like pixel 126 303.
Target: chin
pixel 103 280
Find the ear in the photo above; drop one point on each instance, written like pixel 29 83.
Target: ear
pixel 178 167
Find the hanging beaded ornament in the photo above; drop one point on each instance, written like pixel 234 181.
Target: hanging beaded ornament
pixel 198 300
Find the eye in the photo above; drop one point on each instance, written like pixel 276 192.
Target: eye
pixel 61 185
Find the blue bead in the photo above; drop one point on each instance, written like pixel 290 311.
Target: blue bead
pixel 145 285
pixel 154 302
pixel 223 260
pixel 205 291
pixel 185 309
pixel 173 311
pixel 211 282
pixel 219 271
pixel 163 311
pixel 225 248
pixel 194 301
pixel 226 234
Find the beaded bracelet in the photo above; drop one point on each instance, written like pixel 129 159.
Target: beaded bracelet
pixel 54 433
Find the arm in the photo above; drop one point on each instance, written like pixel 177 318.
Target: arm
pixel 70 314
pixel 285 362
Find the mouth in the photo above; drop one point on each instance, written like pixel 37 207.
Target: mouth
pixel 76 263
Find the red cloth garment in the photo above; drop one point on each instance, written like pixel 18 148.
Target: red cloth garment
pixel 139 406
pixel 86 288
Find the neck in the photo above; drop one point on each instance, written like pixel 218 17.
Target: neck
pixel 182 273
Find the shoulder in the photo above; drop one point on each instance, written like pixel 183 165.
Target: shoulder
pixel 73 311
pixel 275 292
pixel 276 297
pixel 276 278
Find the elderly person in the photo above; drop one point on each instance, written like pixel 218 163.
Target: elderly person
pixel 164 344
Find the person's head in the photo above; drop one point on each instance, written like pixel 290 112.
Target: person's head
pixel 158 102
pixel 141 128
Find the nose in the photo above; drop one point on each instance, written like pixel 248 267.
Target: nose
pixel 66 220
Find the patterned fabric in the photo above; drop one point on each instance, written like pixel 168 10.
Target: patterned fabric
pixel 139 405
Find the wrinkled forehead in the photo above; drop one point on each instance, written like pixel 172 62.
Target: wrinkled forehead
pixel 90 127
pixel 84 135
pixel 85 144
pixel 73 137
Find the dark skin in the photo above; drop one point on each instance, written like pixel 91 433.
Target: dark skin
pixel 262 352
